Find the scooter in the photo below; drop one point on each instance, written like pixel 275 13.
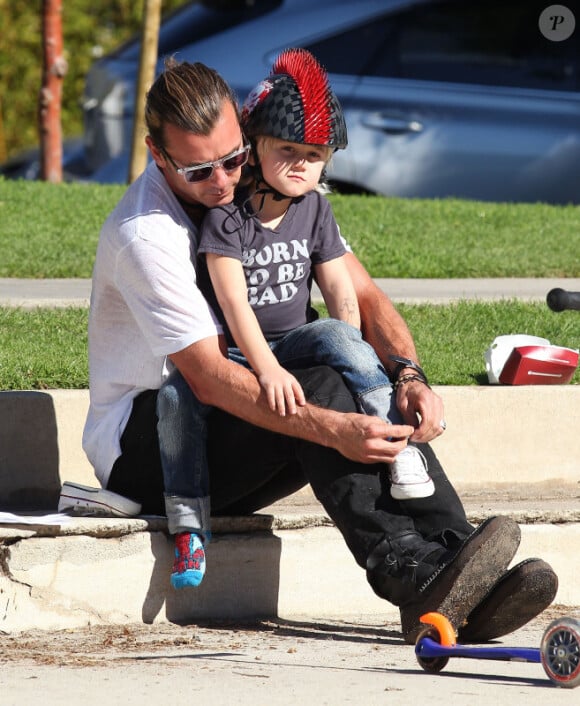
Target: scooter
pixel 559 652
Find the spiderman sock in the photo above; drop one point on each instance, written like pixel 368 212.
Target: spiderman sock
pixel 189 562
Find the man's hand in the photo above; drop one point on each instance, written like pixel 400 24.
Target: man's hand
pixel 422 408
pixel 364 439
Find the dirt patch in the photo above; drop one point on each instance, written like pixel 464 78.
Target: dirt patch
pixel 99 646
pixel 95 646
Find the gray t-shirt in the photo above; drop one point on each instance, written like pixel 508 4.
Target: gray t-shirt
pixel 277 263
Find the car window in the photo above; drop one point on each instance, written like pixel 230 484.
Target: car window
pixel 488 42
pixel 351 53
pixel 199 20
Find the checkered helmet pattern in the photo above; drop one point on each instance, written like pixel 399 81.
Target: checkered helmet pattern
pixel 295 103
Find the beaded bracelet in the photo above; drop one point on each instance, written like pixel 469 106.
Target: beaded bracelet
pixel 411 377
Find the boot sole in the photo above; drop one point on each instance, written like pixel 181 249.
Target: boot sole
pixel 463 583
pixel 519 596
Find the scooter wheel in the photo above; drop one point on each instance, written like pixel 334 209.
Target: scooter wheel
pixel 430 664
pixel 560 652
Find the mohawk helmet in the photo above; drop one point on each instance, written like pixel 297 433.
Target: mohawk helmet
pixel 296 104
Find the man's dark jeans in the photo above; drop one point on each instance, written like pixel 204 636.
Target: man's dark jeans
pixel 250 468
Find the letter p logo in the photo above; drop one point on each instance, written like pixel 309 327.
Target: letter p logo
pixel 557 23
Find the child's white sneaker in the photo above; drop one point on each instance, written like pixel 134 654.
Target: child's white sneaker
pixel 409 477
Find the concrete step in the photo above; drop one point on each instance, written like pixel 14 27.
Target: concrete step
pixel 508 450
pixel 496 435
pixel 295 566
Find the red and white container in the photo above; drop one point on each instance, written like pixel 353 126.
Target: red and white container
pixel 529 360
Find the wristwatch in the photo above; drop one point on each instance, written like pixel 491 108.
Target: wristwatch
pixel 403 363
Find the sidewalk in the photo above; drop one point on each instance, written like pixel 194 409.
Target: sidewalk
pixel 76 292
pixel 268 663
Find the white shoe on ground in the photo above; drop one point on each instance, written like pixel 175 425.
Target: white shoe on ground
pixel 76 499
pixel 409 477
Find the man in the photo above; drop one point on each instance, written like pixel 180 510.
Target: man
pixel 156 353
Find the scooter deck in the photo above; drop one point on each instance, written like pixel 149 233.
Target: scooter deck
pixel 427 648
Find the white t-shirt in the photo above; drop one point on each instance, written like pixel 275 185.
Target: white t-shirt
pixel 145 305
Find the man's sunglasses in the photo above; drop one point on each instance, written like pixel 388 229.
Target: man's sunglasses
pixel 201 172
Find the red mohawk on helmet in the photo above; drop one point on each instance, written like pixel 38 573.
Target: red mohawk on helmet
pixel 312 83
pixel 295 103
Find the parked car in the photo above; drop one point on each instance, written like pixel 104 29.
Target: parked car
pixel 26 164
pixel 463 98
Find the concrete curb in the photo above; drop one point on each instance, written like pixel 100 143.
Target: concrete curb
pixel 117 571
pixel 523 462
pixel 525 435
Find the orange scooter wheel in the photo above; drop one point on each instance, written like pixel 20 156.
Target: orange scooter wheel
pixel 440 630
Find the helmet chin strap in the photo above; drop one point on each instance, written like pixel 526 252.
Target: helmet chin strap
pixel 276 195
pixel 256 172
pixel 263 192
pixel 264 189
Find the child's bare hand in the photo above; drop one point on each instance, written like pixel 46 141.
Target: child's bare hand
pixel 283 391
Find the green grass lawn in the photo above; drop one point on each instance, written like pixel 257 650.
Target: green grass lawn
pixel 51 231
pixel 45 348
pixel 451 340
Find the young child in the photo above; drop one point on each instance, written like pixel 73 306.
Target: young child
pixel 263 250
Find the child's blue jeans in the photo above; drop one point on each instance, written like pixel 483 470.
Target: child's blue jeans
pixel 182 432
pixel 182 419
pixel 340 346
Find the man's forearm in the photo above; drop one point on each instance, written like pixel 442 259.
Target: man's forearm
pixel 381 324
pixel 236 390
pixel 387 332
pixel 219 382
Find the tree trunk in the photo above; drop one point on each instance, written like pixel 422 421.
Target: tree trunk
pixel 148 59
pixel 54 69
